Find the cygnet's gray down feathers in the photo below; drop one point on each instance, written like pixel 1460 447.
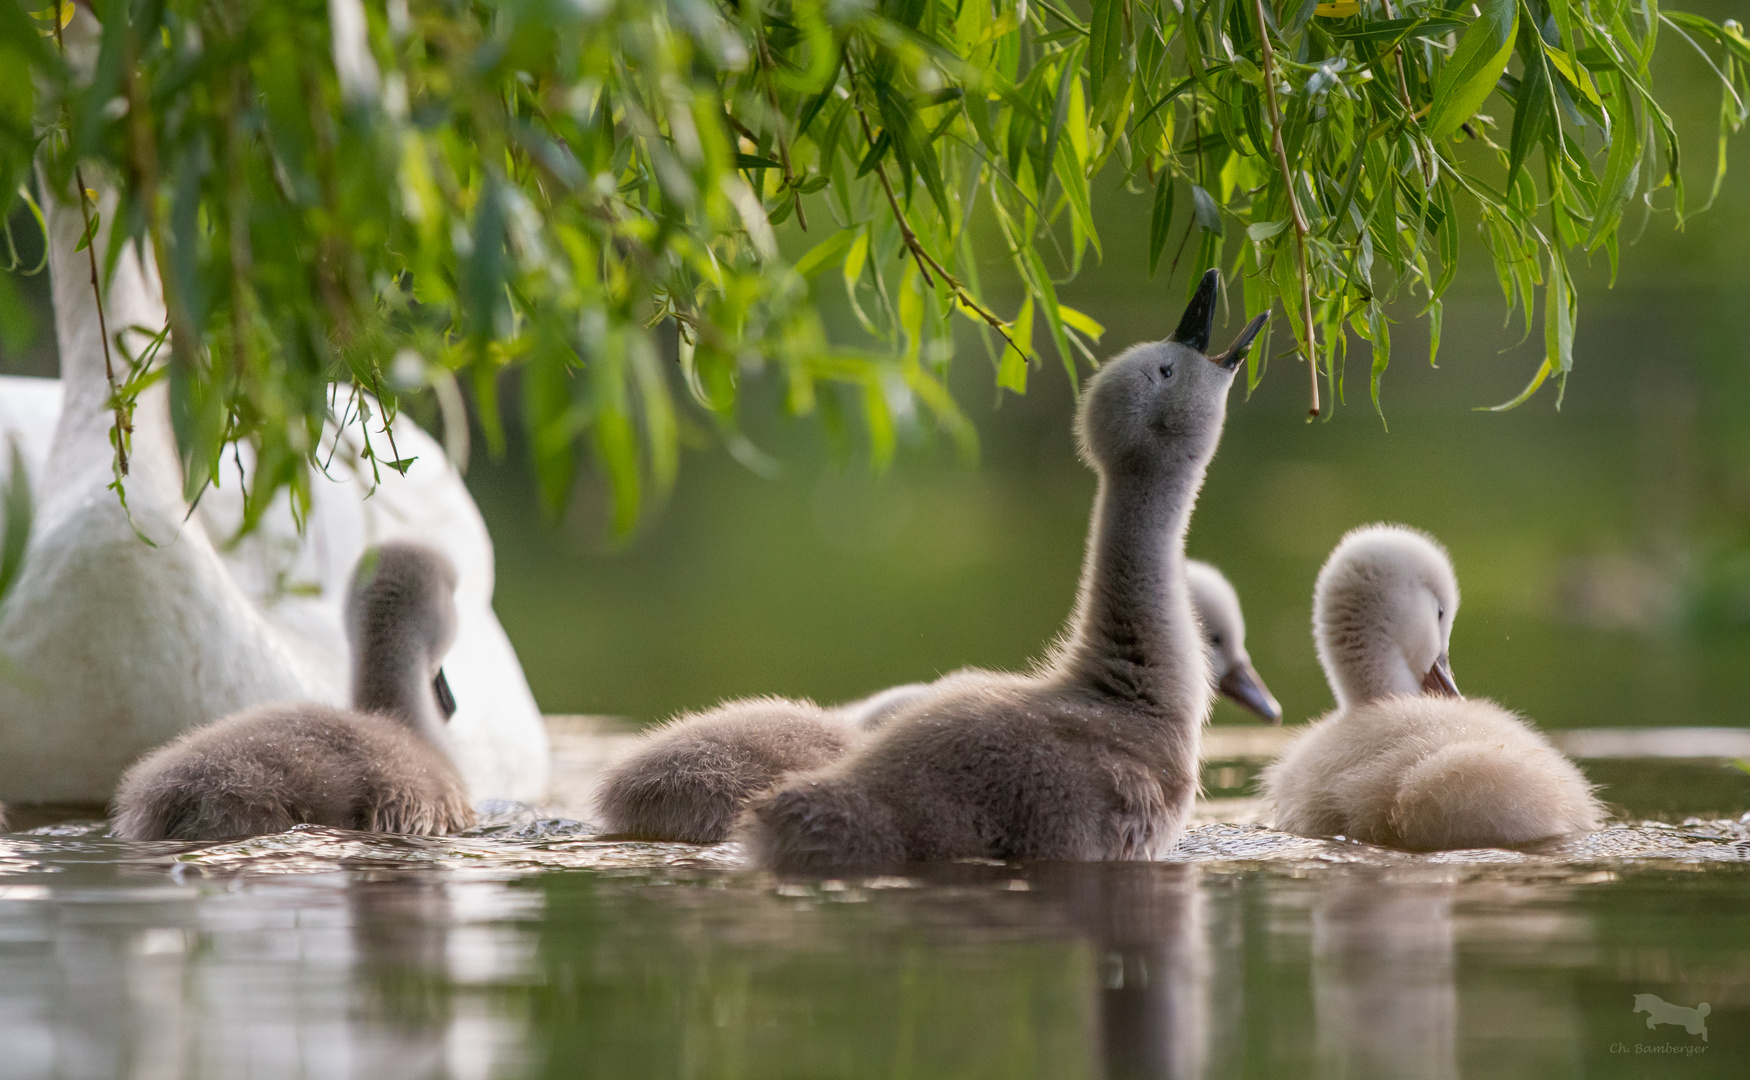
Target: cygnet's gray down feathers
pixel 1095 755
pixel 381 767
pixel 689 778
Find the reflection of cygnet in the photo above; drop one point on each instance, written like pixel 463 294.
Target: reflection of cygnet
pixel 1217 608
pixel 1384 991
pixel 1403 761
pixel 1149 928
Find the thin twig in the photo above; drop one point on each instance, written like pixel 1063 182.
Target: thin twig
pixel 1300 229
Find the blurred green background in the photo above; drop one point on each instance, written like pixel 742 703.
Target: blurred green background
pixel 1603 550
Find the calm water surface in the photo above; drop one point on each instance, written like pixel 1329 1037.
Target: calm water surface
pixel 532 949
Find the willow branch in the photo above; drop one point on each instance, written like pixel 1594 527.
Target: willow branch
pixel 1300 229
pixel 925 261
pixel 778 122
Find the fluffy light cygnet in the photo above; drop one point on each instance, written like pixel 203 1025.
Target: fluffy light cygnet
pixel 382 766
pixel 1404 761
pixel 1094 755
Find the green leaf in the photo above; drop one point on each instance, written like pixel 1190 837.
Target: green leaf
pixel 1012 373
pixel 1622 169
pixel 1531 114
pixel 1382 34
pixel 1106 49
pixel 1080 322
pixel 821 255
pixel 1160 219
pixel 1476 64
pixel 1207 212
pixel 616 452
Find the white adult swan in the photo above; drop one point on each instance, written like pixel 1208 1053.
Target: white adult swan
pixel 115 647
pixel 382 766
pixel 1403 761
pixel 1095 755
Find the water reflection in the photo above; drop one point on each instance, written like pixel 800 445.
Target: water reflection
pixel 1384 996
pixel 540 952
pixel 321 976
pixel 1154 968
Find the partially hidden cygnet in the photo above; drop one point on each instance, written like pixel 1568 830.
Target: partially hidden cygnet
pixel 382 766
pixel 691 777
pixel 1094 755
pixel 1404 761
pixel 1213 601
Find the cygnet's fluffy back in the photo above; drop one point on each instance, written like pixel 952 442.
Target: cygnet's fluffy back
pixel 381 767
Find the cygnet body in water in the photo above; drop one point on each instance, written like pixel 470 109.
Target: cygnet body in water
pixel 692 776
pixel 1094 755
pixel 1404 761
pixel 382 766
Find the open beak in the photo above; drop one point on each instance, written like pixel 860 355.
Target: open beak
pixel 1236 353
pixel 1199 314
pixel 1242 684
pixel 1439 679
pixel 446 700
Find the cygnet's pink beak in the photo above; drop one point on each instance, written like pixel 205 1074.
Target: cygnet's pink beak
pixel 1439 679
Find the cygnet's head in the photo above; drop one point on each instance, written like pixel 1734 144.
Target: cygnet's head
pixel 1382 615
pixel 1224 638
pixel 401 620
pixel 1164 401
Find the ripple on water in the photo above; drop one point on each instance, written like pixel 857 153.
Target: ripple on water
pixel 511 841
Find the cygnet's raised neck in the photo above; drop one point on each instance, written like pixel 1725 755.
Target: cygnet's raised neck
pixel 1224 637
pixel 1382 615
pixel 1150 423
pixel 401 620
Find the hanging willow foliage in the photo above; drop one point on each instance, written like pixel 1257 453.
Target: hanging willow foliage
pixel 390 195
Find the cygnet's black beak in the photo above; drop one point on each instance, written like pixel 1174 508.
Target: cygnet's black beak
pixel 1439 679
pixel 1236 353
pixel 1199 315
pixel 1243 685
pixel 446 700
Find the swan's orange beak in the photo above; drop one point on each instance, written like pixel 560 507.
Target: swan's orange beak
pixel 1243 685
pixel 1439 679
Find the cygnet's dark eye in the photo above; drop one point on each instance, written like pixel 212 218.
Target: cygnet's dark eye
pixel 1440 611
pixel 1166 371
pixel 1215 639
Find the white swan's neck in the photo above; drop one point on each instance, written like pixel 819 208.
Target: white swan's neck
pixel 83 457
pixel 1133 634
